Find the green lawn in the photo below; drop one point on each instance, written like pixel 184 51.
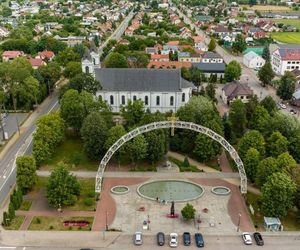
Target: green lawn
pixel 16 223
pixel 25 206
pixel 286 37
pixel 56 223
pixel 71 153
pixel 293 22
pixel 191 168
pixel 290 222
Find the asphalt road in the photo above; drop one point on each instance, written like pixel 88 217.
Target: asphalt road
pixel 211 242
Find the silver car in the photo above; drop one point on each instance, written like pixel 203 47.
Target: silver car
pixel 138 238
pixel 247 238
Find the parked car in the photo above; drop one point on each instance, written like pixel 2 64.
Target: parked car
pixel 138 238
pixel 258 239
pixel 247 238
pixel 281 105
pixel 160 238
pixel 199 240
pixel 173 240
pixel 186 238
pixel 293 112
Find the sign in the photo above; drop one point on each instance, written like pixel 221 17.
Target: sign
pixel 251 209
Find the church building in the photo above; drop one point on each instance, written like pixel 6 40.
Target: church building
pixel 161 90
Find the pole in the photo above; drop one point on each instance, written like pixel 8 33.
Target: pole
pixel 239 222
pixel 106 225
pixel 18 125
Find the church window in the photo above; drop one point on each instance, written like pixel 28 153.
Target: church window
pixel 87 70
pixel 123 100
pixel 134 97
pixel 146 100
pixel 171 100
pixel 157 101
pixel 111 100
pixel 94 61
pixel 183 97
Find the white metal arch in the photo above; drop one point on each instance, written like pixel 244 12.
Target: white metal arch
pixel 171 124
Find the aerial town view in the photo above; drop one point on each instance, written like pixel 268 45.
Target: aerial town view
pixel 149 124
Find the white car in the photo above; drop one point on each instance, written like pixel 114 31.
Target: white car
pixel 281 105
pixel 173 240
pixel 138 238
pixel 247 238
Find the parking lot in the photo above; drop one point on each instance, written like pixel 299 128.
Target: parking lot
pixel 11 121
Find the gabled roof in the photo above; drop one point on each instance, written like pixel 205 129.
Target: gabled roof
pixel 12 53
pixel 251 55
pixel 48 54
pixel 155 80
pixel 235 89
pixel 210 67
pixel 287 53
pixel 209 54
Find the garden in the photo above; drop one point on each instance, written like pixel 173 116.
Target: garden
pixel 286 37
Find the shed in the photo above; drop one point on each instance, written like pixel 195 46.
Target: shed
pixel 257 50
pixel 272 223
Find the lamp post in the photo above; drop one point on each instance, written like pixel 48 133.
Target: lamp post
pixel 239 222
pixel 17 121
pixel 106 225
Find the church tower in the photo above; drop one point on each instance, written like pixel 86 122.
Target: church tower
pixel 90 60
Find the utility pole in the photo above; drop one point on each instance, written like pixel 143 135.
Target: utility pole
pixel 239 222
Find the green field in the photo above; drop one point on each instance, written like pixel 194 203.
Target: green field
pixel 286 37
pixel 293 22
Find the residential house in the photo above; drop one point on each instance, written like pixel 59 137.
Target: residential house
pixel 221 31
pixel 199 43
pixel 36 62
pixel 253 60
pixel 296 98
pixel 209 69
pixel 4 32
pixel 11 55
pixel 169 65
pixel 296 73
pixel 236 90
pixel 212 57
pixel 286 58
pixel 151 50
pixel 188 57
pixel 46 55
pixel 185 33
pixel 159 57
pixel 160 90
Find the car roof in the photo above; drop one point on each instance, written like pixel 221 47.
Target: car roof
pixel 173 234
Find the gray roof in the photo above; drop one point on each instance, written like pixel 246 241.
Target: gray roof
pixel 235 89
pixel 251 55
pixel 210 67
pixel 296 94
pixel 87 55
pixel 156 80
pixel 210 54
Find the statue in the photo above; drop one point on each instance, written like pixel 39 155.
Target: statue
pixel 173 209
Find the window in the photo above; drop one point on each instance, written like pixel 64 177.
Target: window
pixel 146 100
pixel 171 100
pixel 183 97
pixel 242 97
pixel 134 97
pixel 111 100
pixel 94 61
pixel 123 100
pixel 87 70
pixel 157 101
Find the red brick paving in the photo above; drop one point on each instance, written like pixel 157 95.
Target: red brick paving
pixel 236 203
pixel 107 203
pixel 224 163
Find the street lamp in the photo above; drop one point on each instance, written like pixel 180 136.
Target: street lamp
pixel 239 222
pixel 106 223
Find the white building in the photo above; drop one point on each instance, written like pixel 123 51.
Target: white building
pixel 4 32
pixel 286 58
pixel 253 61
pixel 160 90
pixel 90 60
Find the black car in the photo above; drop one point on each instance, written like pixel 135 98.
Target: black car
pixel 186 238
pixel 199 240
pixel 258 239
pixel 160 238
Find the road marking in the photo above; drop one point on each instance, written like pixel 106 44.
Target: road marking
pixel 8 247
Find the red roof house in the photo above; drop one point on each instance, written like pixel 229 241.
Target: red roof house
pixel 10 55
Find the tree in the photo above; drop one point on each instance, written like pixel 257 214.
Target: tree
pixel 156 141
pixel 269 104
pixel 233 71
pixel 74 107
pixel 266 53
pixel 285 160
pixel 186 163
pixel 116 60
pixel 49 134
pixel 188 212
pixel 72 69
pixel 260 119
pixel 26 172
pixel 252 2
pixel 133 112
pixel 196 76
pixel 237 118
pixel 211 149
pixel 294 147
pixel 83 81
pixel 277 195
pixel 212 44
pixel 66 56
pixel 94 134
pixel 266 74
pixel 251 162
pixel 210 90
pixel 251 106
pixel 276 144
pixel 266 168
pixel 137 149
pixel 31 87
pixel 50 74
pixel 252 139
pixel 62 187
pixel 287 86
pixel 239 45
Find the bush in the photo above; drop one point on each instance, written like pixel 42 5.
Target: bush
pixel 38 221
pixel 188 212
pixel 91 194
pixel 51 227
pixel 76 158
pixel 11 211
pixel 88 202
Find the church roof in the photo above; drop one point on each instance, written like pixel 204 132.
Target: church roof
pixel 93 47
pixel 156 80
pixel 87 55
